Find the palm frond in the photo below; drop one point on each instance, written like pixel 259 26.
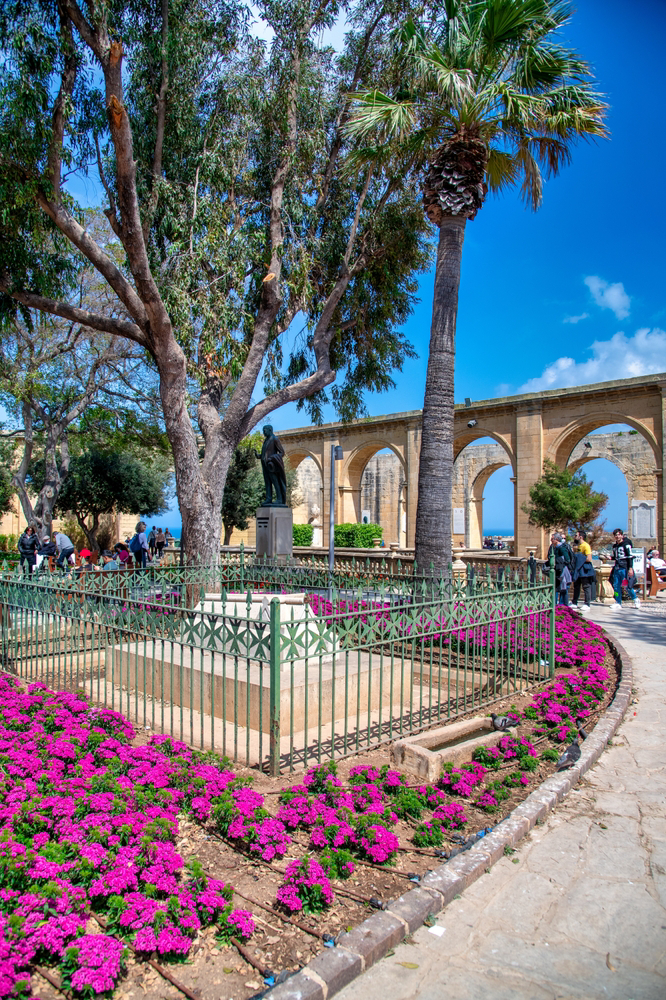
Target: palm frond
pixel 532 187
pixel 453 84
pixel 374 112
pixel 502 170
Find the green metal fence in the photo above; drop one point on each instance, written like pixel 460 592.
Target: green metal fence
pixel 274 665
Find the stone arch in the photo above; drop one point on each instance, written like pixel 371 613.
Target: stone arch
pixel 632 455
pixel 562 447
pixel 470 435
pixel 349 489
pixel 307 466
pixel 473 467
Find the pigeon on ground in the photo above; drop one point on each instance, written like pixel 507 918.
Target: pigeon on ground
pixel 569 757
pixel 502 722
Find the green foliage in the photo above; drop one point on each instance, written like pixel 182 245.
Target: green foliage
pixel 550 753
pixel 303 534
pixel 564 498
pixel 356 536
pixel 102 482
pixel 428 834
pixel 244 487
pixel 494 70
pixel 7 490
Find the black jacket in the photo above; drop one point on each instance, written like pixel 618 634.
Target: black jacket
pixel 623 555
pixel 28 544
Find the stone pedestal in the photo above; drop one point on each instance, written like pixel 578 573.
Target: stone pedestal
pixel 275 532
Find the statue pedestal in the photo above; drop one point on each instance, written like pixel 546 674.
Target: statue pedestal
pixel 275 532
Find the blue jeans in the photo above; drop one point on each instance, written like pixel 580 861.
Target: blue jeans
pixel 618 576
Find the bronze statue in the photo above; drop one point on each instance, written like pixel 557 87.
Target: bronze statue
pixel 272 466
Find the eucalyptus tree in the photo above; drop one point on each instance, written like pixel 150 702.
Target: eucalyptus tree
pixel 251 266
pixel 58 382
pixel 488 98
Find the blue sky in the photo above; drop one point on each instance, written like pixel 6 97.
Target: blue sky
pixel 573 293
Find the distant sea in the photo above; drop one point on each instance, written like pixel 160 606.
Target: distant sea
pixel 498 531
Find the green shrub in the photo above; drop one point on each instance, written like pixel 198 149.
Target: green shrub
pixel 12 542
pixel 3 543
pixel 303 534
pixel 356 536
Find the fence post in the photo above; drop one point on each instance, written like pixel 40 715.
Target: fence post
pixel 551 648
pixel 274 663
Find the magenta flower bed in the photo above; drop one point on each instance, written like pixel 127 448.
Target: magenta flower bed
pixel 87 824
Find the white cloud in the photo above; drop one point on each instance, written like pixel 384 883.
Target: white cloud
pixel 576 319
pixel 608 296
pixel 644 353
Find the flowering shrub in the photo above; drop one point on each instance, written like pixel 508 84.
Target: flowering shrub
pixel 88 822
pixel 429 834
pixel 306 886
pixel 462 780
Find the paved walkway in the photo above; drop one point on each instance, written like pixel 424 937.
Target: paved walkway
pixel 579 911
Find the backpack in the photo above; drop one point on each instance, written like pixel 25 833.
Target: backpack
pixel 135 544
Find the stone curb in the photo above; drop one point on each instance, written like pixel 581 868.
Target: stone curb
pixel 358 949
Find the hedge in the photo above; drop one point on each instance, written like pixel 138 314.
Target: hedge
pixel 356 536
pixel 303 534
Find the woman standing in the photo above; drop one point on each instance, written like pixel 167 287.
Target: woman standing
pixel 28 544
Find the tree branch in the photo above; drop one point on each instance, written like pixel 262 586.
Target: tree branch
pixel 58 118
pixel 74 232
pixel 83 316
pixel 110 212
pixel 161 119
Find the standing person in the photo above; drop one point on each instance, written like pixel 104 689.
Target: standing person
pixel 151 541
pixel 563 562
pixel 168 538
pixel 65 548
pixel 28 544
pixel 139 545
pixel 160 542
pixel 623 561
pixel 583 571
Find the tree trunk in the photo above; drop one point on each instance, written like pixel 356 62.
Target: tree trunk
pixel 228 531
pixel 433 512
pixel 200 489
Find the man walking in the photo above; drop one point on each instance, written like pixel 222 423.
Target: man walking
pixel 151 541
pixel 622 567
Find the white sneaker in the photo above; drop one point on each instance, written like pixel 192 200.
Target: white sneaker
pixel 637 604
pixel 615 606
pixel 585 609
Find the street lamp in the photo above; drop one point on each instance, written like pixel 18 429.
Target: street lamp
pixel 336 456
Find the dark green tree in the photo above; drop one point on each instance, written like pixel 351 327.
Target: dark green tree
pixel 243 489
pixel 101 482
pixel 241 255
pixel 7 491
pixel 564 499
pixel 488 98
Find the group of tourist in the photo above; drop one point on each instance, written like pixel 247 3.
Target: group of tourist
pixel 574 565
pixel 35 551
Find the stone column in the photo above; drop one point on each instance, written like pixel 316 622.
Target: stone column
pixel 529 467
pixel 412 453
pixel 661 499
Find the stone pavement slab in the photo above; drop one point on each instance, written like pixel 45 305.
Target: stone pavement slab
pixel 579 911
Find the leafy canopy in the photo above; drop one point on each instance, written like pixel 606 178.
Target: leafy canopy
pixel 564 498
pixel 492 69
pixel 100 482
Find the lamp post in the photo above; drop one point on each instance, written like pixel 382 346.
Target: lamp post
pixel 336 455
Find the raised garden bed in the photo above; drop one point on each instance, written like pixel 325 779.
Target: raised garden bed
pixel 111 838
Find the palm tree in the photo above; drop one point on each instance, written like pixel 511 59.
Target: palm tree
pixel 485 99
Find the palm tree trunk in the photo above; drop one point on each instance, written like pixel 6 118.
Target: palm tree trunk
pixel 433 512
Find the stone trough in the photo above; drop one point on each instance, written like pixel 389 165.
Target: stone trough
pixel 425 754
